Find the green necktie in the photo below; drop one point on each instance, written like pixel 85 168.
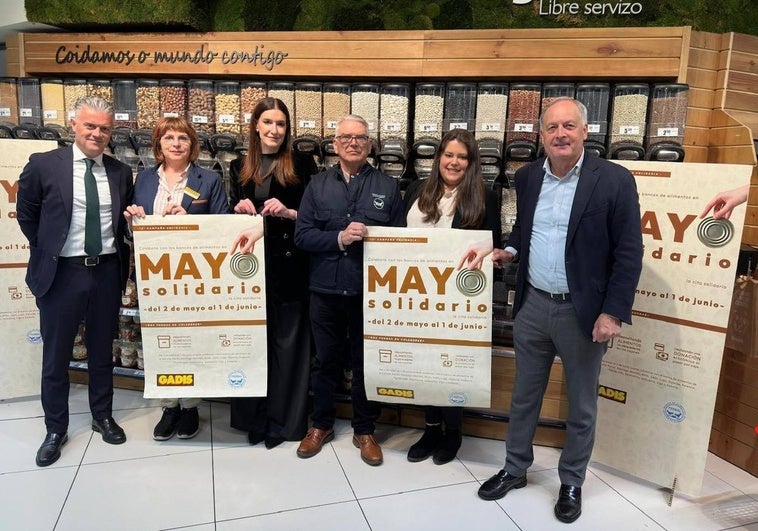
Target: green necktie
pixel 93 242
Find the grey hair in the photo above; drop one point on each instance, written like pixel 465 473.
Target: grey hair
pixel 353 118
pixel 95 103
pixel 579 106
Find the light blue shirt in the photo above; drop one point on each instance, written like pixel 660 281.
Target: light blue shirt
pixel 547 249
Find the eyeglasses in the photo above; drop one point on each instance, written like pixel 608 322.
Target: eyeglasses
pixel 346 140
pixel 182 139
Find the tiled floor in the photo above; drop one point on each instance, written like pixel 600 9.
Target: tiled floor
pixel 216 481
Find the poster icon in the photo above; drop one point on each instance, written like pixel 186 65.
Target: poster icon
pixel 164 341
pixel 385 355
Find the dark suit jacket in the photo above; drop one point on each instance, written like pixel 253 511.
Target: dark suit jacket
pixel 491 219
pixel 44 205
pixel 286 265
pixel 211 194
pixel 604 240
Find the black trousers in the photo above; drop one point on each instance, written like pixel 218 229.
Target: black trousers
pixel 333 317
pixel 92 294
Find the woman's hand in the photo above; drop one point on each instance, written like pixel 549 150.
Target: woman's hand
pixel 131 212
pixel 246 240
pixel 475 254
pixel 245 206
pixel 172 209
pixel 274 207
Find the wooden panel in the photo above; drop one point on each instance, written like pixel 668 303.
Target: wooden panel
pixel 695 154
pixel 696 136
pixel 720 118
pixel 744 62
pixel 750 235
pixel 698 117
pixel 701 78
pixel 734 429
pixel 749 119
pixel 705 40
pixel 730 136
pixel 745 43
pixel 732 155
pixel 742 81
pixel 741 101
pixel 737 453
pixel 705 59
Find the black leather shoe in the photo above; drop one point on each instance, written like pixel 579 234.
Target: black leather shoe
pixel 50 450
pixel 569 505
pixel 111 432
pixel 498 485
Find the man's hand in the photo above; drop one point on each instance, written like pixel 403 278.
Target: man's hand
pixel 501 256
pixel 606 327
pixel 353 233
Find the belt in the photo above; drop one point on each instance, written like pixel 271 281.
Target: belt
pixel 559 297
pixel 89 261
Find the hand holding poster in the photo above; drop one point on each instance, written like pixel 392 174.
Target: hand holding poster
pixel 202 307
pixel 427 323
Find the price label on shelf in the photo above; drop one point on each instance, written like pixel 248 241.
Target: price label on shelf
pixel 226 119
pixel 491 127
pixel 199 119
pixel 121 116
pixel 25 112
pixel 331 124
pixel 5 111
pixel 523 128
pixel 131 312
pixel 371 126
pixel 248 117
pixel 458 125
pixel 307 123
pixel 668 131
pixel 428 128
pixel 171 115
pixel 392 126
pixel 629 130
pixel 50 114
pixel 593 128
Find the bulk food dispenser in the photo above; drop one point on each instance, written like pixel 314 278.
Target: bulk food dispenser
pixel 73 89
pixel 53 103
pixel 595 97
pixel 123 149
pixel 307 128
pixel 125 104
pixel 142 140
pixel 29 104
pixel 364 102
pixel 201 106
pixel 100 88
pixel 172 98
pixel 668 113
pixel 8 101
pixel 285 91
pixel 224 147
pixel 206 158
pixel 393 129
pixel 227 101
pixel 148 103
pixel 429 110
pixel 251 92
pixel 522 125
pixel 336 99
pixel 628 121
pixel 491 109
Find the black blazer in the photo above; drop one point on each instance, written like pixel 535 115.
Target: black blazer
pixel 211 196
pixel 603 244
pixel 44 204
pixel 286 265
pixel 491 220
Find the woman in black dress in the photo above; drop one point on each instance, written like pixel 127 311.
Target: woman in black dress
pixel 270 182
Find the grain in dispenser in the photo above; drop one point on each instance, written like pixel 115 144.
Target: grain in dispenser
pixel 336 106
pixel 595 96
pixel 251 92
pixel 308 115
pixel 173 98
pixel 628 121
pixel 148 103
pixel 364 102
pixel 201 105
pixel 668 114
pixel 429 110
pixel 53 103
pixel 228 104
pixel 73 89
pixel 522 124
pixel 491 109
pixel 8 101
pixel 100 88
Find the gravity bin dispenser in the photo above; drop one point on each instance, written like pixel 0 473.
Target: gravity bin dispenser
pixel 336 105
pixel 491 109
pixel 522 126
pixel 429 109
pixel 668 114
pixel 224 146
pixel 628 121
pixel 595 96
pixel 142 140
pixel 123 148
pixel 364 102
pixel 393 129
pixel 308 120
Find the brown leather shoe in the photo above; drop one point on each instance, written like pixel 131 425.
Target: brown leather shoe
pixel 371 452
pixel 313 441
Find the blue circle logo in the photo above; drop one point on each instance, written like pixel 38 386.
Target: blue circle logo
pixel 237 379
pixel 34 336
pixel 457 398
pixel 674 412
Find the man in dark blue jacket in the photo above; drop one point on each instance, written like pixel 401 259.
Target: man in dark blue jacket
pixel 338 206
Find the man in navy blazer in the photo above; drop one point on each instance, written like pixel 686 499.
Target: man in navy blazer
pixel 578 238
pixel 72 285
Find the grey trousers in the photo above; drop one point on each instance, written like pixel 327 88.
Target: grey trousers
pixel 543 329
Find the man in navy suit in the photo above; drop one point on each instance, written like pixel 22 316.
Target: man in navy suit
pixel 577 235
pixel 69 207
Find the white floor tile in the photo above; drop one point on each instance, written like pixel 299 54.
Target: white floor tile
pixel 21 408
pixel 449 507
pixel 153 493
pixel 396 474
pixel 138 425
pixel 33 500
pixel 346 516
pixel 252 480
pixel 20 439
pixel 485 457
pixel 224 436
pixel 735 476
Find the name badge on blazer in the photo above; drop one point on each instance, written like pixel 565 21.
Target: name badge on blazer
pixel 192 193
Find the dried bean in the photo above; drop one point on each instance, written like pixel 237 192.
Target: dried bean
pixel 523 115
pixel 336 106
pixel 148 106
pixel 308 108
pixel 628 119
pixel 365 103
pixel 228 113
pixel 428 116
pixel 202 108
pixel 490 115
pixel 8 101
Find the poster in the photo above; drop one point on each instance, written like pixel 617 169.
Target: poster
pixel 427 325
pixel 659 379
pixel 21 362
pixel 202 309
